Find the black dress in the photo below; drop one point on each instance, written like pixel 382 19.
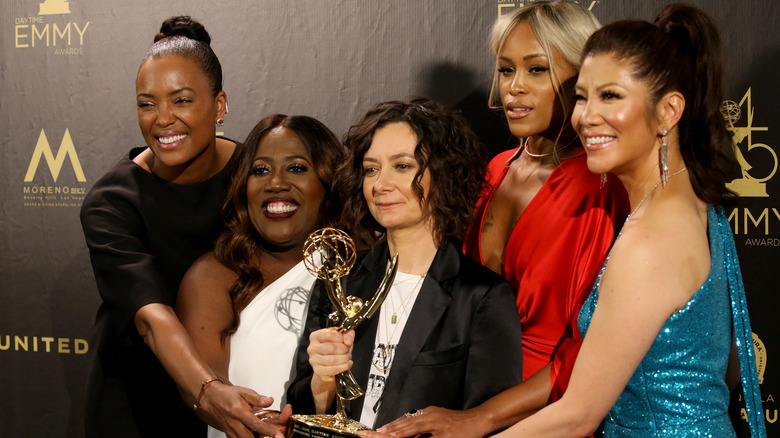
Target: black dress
pixel 143 233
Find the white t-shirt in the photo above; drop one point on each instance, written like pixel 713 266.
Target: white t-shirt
pixel 393 316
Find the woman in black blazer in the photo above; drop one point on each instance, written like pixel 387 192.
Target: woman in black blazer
pixel 448 333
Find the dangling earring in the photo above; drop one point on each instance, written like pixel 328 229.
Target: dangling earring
pixel 663 158
pixel 603 180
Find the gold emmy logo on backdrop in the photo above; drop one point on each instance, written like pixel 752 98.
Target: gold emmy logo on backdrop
pixel 67 38
pixel 330 254
pixel 747 186
pixel 42 148
pixel 506 6
pixel 54 7
pixel 761 356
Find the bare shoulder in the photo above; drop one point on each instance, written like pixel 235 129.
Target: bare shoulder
pixel 208 268
pixel 206 280
pixel 664 255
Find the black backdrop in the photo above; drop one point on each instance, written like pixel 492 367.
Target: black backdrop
pixel 67 77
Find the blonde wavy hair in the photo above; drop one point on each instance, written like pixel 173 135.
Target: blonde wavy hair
pixel 561 27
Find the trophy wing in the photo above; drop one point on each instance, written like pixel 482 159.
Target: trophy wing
pixel 335 295
pixel 369 308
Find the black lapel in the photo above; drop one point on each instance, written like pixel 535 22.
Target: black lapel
pixel 434 297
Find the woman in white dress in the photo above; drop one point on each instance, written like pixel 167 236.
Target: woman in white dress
pixel 244 303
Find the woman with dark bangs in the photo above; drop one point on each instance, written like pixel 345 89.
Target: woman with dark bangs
pixel 447 334
pixel 244 304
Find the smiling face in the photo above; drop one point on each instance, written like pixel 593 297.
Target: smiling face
pixel 528 91
pixel 284 193
pixel 177 110
pixel 612 117
pixel 389 168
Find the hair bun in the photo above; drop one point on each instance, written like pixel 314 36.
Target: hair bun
pixel 183 25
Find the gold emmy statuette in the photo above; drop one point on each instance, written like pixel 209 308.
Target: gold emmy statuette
pixel 748 185
pixel 330 254
pixel 53 7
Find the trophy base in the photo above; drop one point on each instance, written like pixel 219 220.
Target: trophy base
pixel 748 187
pixel 323 426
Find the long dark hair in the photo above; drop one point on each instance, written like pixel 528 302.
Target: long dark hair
pixel 237 246
pixel 681 51
pixel 446 147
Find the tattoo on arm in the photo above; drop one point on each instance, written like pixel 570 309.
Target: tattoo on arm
pixel 487 223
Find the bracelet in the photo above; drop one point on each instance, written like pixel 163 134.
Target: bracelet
pixel 203 385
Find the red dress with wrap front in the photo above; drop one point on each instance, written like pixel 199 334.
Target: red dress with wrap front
pixel 553 256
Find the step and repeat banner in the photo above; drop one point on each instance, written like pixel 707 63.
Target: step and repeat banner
pixel 67 114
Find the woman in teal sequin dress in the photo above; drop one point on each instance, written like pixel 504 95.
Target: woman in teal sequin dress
pixel 667 320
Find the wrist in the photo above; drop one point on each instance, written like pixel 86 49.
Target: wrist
pixel 323 393
pixel 203 387
pixel 484 420
pixel 322 383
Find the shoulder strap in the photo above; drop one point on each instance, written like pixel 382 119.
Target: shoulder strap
pixel 742 330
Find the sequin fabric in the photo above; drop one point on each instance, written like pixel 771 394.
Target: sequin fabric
pixel 678 390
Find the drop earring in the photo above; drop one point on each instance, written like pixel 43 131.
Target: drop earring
pixel 221 120
pixel 663 158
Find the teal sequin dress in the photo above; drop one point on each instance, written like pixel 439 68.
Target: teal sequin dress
pixel 678 390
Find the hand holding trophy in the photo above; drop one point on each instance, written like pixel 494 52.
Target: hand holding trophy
pixel 329 254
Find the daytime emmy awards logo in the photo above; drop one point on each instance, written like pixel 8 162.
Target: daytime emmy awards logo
pixel 748 185
pixel 67 37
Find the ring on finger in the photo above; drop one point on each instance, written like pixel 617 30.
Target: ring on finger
pixel 413 413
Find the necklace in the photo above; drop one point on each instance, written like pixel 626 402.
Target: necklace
pixel 383 360
pixel 394 318
pixel 532 155
pixel 652 190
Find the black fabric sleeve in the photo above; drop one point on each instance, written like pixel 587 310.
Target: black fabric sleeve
pixel 495 357
pixel 122 262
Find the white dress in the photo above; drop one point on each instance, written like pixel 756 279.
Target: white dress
pixel 263 348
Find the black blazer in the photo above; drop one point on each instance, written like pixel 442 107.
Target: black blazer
pixel 460 346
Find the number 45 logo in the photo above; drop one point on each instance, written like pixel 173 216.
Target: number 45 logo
pixel 55 164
